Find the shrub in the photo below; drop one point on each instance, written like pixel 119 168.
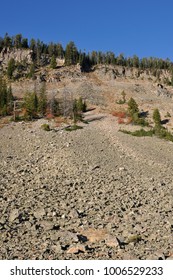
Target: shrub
pixel 73 127
pixel 142 122
pixel 119 114
pixel 45 127
pixel 168 115
pixel 139 133
pixel 163 133
pixel 123 100
pixel 30 105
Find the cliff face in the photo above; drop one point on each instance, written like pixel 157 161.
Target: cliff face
pixel 19 55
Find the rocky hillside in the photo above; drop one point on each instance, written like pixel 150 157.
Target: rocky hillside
pixel 103 87
pixel 92 193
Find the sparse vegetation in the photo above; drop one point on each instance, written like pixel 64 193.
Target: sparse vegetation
pixel 79 107
pixel 134 113
pixel 30 105
pixel 158 129
pixel 6 98
pixel 73 127
pixel 123 99
pixel 139 133
pixel 157 118
pixel 45 127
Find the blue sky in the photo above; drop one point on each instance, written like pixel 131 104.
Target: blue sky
pixel 144 28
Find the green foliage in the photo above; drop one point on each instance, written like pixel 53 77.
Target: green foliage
pixel 73 127
pixel 10 68
pixel 79 106
pixel 76 113
pixel 6 98
pixel 163 133
pixel 31 72
pixel 168 115
pixel 31 105
pixel 157 118
pixel 133 109
pixel 139 133
pixel 123 100
pixel 53 62
pixel 18 41
pixel 35 103
pixel 140 121
pixel 42 100
pixel 71 54
pixel 45 127
pixel 59 51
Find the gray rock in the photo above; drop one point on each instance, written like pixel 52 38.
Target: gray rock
pixel 47 225
pixel 39 213
pixel 13 215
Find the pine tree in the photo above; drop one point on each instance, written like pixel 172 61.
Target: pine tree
pixel 53 62
pixel 31 105
pixel 31 71
pixel 10 68
pixel 133 107
pixel 18 41
pixel 6 98
pixel 42 100
pixel 60 51
pixel 71 54
pixel 157 118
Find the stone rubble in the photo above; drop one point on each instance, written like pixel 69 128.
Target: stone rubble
pixel 93 193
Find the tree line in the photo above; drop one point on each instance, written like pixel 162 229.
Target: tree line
pixel 72 55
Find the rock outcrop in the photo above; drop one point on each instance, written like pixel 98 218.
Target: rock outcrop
pixel 19 55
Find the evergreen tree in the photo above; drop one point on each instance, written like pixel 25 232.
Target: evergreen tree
pixel 6 98
pixel 31 71
pixel 24 43
pixel 10 68
pixel 133 108
pixel 71 54
pixel 31 105
pixel 53 62
pixel 157 118
pixel 7 41
pixel 52 49
pixel 59 51
pixel 18 41
pixel 42 100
